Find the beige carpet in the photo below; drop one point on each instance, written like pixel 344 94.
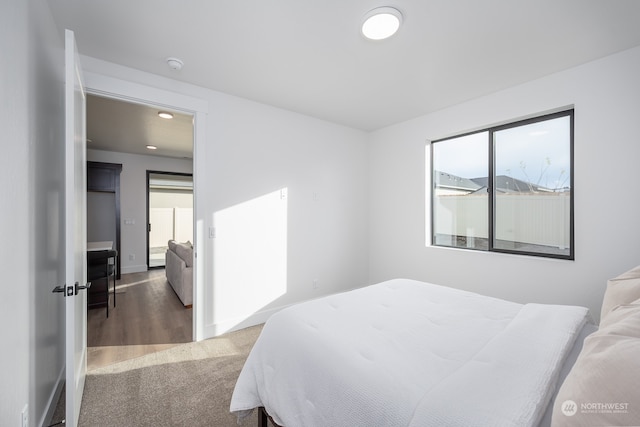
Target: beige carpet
pixel 187 385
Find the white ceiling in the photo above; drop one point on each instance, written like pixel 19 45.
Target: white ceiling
pixel 114 125
pixel 309 56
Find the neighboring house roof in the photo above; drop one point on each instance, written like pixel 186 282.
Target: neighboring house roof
pixel 507 184
pixel 503 183
pixel 453 182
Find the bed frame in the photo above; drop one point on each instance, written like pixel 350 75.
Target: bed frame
pixel 263 417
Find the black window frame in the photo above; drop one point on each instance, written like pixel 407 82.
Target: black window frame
pixel 492 190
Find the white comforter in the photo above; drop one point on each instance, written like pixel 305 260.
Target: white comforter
pixel 407 353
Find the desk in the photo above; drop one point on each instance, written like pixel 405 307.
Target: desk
pixel 99 246
pixel 98 268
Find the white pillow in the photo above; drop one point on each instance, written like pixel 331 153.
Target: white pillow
pixel 602 387
pixel 621 290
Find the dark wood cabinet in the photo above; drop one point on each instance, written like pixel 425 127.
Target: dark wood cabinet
pixel 103 176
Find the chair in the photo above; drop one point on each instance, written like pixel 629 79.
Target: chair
pixel 99 271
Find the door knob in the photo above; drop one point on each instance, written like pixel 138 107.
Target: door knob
pixel 65 290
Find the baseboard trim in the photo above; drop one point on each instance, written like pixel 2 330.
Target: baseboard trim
pixel 133 269
pixel 216 329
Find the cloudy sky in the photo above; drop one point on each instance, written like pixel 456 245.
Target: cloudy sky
pixel 538 153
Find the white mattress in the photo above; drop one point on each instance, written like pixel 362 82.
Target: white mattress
pixel 408 353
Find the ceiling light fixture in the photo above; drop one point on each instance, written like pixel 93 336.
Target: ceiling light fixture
pixel 175 63
pixel 165 115
pixel 381 23
pixel 151 147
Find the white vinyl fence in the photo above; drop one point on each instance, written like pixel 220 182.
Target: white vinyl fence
pixel 170 223
pixel 539 219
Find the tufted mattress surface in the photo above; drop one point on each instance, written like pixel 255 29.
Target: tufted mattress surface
pixel 407 353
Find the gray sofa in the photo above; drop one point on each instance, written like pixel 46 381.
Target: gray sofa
pixel 179 270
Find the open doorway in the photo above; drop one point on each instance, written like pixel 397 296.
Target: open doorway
pixel 197 110
pixel 169 213
pixel 149 316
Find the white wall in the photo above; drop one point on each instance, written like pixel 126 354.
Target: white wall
pixel 15 260
pixel 606 95
pixel 32 164
pixel 256 151
pixel 133 200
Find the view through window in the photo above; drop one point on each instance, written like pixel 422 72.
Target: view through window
pixel 506 188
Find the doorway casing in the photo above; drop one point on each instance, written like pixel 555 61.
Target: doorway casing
pixel 137 93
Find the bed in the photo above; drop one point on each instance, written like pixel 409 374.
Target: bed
pixel 410 353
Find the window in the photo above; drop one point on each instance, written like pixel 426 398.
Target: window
pixel 506 189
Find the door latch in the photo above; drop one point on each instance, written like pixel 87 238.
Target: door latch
pixel 65 290
pixel 69 291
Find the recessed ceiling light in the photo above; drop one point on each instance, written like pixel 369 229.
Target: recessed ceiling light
pixel 151 147
pixel 165 115
pixel 381 23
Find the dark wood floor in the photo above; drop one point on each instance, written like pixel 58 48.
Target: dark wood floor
pixel 148 317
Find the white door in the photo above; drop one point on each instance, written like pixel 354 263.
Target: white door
pixel 75 231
